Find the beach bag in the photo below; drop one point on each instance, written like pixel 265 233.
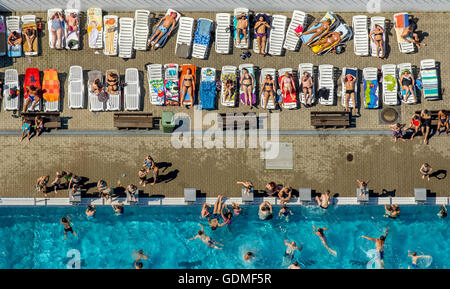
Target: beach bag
pixel 324 93
pixel 339 49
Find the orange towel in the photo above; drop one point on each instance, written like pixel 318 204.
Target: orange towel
pixel 50 85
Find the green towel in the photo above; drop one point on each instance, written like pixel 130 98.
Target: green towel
pixel 392 80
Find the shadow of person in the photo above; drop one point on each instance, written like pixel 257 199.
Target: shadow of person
pixel 387 193
pixel 164 165
pixel 170 176
pixel 439 174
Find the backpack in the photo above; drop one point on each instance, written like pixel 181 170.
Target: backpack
pixel 324 93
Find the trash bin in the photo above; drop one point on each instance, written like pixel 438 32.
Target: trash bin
pixel 168 121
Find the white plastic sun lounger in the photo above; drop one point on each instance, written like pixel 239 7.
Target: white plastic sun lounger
pixel 353 71
pixel 430 80
pixel 114 100
pixel 202 38
pixel 155 84
pixel 95 28
pixel 401 21
pixel 132 90
pixel 3 44
pixel 183 45
pixel 126 37
pixel 371 87
pixel 277 34
pixel 94 103
pixel 50 13
pixel 141 29
pixel 229 72
pixel 255 40
pixel 30 20
pixel 110 34
pixel 390 94
pixel 76 87
pixel 377 21
pixel 72 37
pixel 302 68
pixel 244 44
pixel 298 20
pixel 288 104
pixel 223 33
pixel 326 80
pixel 262 76
pixel 11 82
pixel 400 68
pixel 360 35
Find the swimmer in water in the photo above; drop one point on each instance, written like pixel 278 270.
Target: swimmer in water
pixel 294 266
pixel 118 209
pixel 90 210
pixel 249 256
pixel 442 212
pixel 67 226
pixel 319 232
pixel 236 208
pixel 139 255
pixel 205 210
pixel 414 258
pixel 290 251
pixel 138 265
pixel 285 212
pixel 265 211
pixel 380 247
pixel 206 239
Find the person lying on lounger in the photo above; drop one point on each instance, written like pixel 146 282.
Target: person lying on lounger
pixel 409 35
pixel 112 79
pixel 328 40
pixel 30 35
pixel 349 82
pixel 56 24
pixel 187 82
pixel 268 88
pixel 213 220
pixel 229 86
pixel 14 38
pixel 442 122
pixel 322 28
pixel 261 34
pixel 34 97
pixel 377 38
pixel 247 83
pixel 307 84
pixel 162 28
pixel 407 81
pixel 72 23
pixel 97 86
pixel 242 25
pixel 288 85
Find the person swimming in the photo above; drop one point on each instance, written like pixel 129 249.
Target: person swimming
pixel 442 212
pixel 290 252
pixel 319 232
pixel 206 239
pixel 90 211
pixel 205 210
pixel 285 212
pixel 118 209
pixel 294 266
pixel 379 247
pixel 139 255
pixel 249 256
pixel 265 211
pixel 67 226
pixel 236 208
pixel 415 258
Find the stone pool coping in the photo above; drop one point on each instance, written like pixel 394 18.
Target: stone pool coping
pixel 158 201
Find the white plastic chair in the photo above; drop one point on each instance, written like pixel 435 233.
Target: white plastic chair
pixel 183 45
pixel 126 37
pixel 389 97
pixel 141 29
pixel 361 35
pixel 132 90
pixel 326 80
pixel 277 34
pixel 223 33
pixel 298 19
pixel 76 87
pixel 11 81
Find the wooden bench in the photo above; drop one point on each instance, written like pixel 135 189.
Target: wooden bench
pixel 434 115
pixel 330 119
pixel 134 120
pixel 234 121
pixel 50 119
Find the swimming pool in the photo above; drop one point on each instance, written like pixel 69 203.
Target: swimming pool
pixel 33 237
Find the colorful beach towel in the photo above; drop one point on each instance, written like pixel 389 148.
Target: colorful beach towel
pixel 390 79
pixel 430 84
pixel 26 46
pixel 50 85
pixel 370 93
pixel 208 90
pixel 226 97
pixel 158 87
pixel 202 33
pixel 288 98
pixel 94 26
pixel 172 92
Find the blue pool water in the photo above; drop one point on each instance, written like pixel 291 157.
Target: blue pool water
pixel 33 237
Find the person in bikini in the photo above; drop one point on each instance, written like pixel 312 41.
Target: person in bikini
pixel 236 208
pixel 247 82
pixel 415 124
pixel 268 88
pixel 72 23
pixel 377 38
pixel 379 247
pixel 67 226
pixel 30 36
pixel 349 82
pixel 443 121
pixel 206 239
pixel 162 27
pixel 242 25
pixel 307 84
pixel 288 85
pixel 324 200
pixel 188 86
pixel 150 164
pixel 328 41
pixel 97 86
pixel 319 232
pixel 407 81
pixel 14 38
pixel 229 86
pixel 261 34
pixel 112 79
pixel 425 116
pixel 324 27
pixel 213 220
pixel 34 97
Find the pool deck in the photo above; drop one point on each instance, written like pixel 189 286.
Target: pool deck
pixel 92 148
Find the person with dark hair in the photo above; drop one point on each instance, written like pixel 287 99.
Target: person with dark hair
pixel 397 130
pixel 288 255
pixel 41 185
pixel 265 211
pixel 319 232
pixel 324 27
pixel 285 212
pixel 187 86
pixel 67 226
pixel 425 170
pixel 26 130
pixel 324 200
pixel 118 209
pixel 294 266
pixel 379 247
pixel 206 239
pixel 349 82
pixel 139 255
pixel 415 258
pixel 392 211
pixel 272 188
pixel 38 125
pixel 442 212
pixel 138 265
pixel 261 34
pixel 249 256
pixel 409 35
pixel 90 211
pixel 285 195
pixel 34 97
pixel 242 25
pixel 425 116
pixel 378 39
pixel 443 121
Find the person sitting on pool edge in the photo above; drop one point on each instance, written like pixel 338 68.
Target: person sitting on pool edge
pixel 443 121
pixel 392 211
pixel 132 191
pixel 324 200
pixel 213 220
pixel 41 185
pixel 206 239
pixel 272 188
pixel 362 185
pixel 265 211
pixel 285 195
pixel 247 185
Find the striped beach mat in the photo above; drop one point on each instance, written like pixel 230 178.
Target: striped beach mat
pixel 430 84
